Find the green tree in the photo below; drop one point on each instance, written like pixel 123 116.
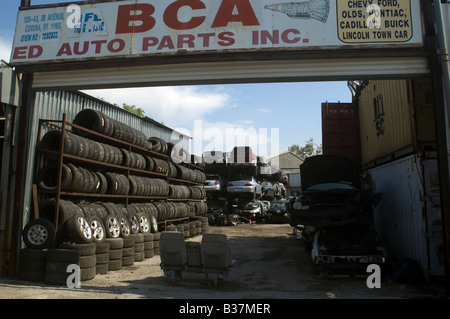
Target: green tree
pixel 309 149
pixel 133 109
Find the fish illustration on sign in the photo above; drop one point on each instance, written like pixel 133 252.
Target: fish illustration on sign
pixel 314 9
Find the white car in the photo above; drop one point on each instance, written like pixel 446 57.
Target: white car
pixel 214 183
pixel 248 186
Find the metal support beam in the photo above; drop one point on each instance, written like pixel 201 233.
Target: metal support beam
pixel 18 202
pixel 439 77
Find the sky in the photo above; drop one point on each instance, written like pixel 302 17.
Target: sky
pixel 273 116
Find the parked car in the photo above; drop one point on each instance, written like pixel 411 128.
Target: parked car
pixel 268 190
pixel 252 209
pixel 334 214
pixel 332 194
pixel 277 211
pixel 266 205
pixel 214 184
pixel 347 249
pixel 245 186
pixel 242 155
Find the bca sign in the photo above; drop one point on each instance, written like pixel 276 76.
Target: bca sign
pixel 132 29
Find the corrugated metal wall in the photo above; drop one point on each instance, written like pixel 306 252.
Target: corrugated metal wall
pixel 386 122
pixel 399 217
pixel 53 104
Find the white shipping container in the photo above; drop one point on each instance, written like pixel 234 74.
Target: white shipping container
pixel 408 217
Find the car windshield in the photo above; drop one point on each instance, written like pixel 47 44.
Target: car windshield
pixel 278 205
pixel 331 186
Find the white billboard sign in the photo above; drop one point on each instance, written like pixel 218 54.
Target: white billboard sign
pixel 149 27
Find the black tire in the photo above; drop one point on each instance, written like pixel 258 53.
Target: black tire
pixel 92 120
pixel 32 264
pixel 48 177
pixel 39 234
pixel 103 183
pixel 101 269
pixel 87 261
pixel 79 230
pixel 102 247
pixel 115 243
pixel 83 249
pixel 88 273
pixel 69 256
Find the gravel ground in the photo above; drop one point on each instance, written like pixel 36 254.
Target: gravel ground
pixel 269 263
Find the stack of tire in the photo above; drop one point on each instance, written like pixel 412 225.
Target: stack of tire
pixel 87 260
pixel 128 251
pixel 32 264
pixel 115 253
pixel 108 224
pixel 57 266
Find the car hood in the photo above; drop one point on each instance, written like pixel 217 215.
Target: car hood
pixel 328 169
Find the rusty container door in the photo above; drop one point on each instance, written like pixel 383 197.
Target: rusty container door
pixel 387 125
pixel 340 130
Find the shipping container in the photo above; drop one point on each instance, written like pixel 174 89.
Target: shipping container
pixel 340 130
pixel 408 217
pixel 396 118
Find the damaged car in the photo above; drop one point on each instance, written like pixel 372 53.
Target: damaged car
pixel 332 194
pixel 334 213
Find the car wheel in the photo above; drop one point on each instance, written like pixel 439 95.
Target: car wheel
pixel 79 230
pixel 144 223
pixel 39 234
pixel 98 230
pixel 112 227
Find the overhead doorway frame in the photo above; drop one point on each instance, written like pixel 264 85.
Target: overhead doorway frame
pixel 266 66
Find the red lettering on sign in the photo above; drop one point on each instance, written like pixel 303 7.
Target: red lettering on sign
pixel 285 36
pixel 20 53
pixel 206 37
pixel 35 51
pixel 112 47
pixel 245 14
pixel 149 42
pixel 166 42
pixel 185 39
pixel 65 49
pixel 129 14
pixel 226 37
pixel 98 45
pixel 31 52
pixel 171 15
pixel 76 48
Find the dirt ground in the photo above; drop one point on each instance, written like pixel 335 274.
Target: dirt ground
pixel 269 263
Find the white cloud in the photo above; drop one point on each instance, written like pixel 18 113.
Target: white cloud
pixel 175 106
pixel 267 111
pixel 5 47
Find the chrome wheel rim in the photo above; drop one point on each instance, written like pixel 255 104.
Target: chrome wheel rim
pixel 37 234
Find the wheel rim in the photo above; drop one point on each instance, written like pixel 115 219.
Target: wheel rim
pixel 125 228
pixel 97 230
pixel 134 224
pixel 155 224
pixel 37 234
pixel 113 226
pixel 85 228
pixel 144 224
